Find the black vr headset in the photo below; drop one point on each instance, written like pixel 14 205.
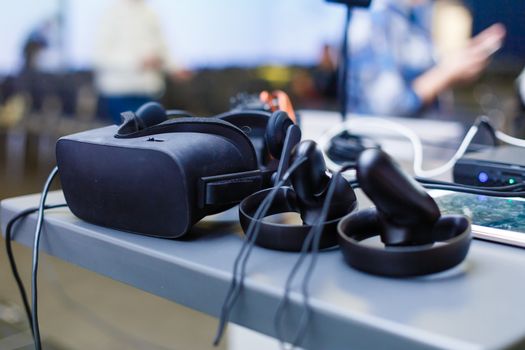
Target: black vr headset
pixel 159 176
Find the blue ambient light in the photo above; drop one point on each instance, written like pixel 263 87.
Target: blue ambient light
pixel 483 177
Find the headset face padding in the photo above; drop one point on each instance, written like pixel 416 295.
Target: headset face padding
pixel 276 132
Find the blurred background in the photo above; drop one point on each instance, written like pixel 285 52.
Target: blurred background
pixel 61 72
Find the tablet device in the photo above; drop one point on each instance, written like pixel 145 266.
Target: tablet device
pixel 494 219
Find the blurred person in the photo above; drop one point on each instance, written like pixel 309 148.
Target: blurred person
pixel 41 61
pixel 392 65
pixel 131 58
pixel 43 50
pixel 34 44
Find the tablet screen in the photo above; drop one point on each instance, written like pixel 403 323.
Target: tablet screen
pixel 499 213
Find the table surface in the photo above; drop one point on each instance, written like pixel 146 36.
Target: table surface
pixel 476 305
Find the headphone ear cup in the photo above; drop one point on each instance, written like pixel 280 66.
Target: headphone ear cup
pixel 276 132
pixel 151 113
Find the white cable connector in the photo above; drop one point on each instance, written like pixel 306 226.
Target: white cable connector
pixel 414 139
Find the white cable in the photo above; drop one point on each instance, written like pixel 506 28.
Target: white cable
pixel 511 140
pixel 414 139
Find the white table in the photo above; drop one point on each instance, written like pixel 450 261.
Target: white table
pixel 477 305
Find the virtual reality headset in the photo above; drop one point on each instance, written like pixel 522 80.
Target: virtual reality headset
pixel 159 176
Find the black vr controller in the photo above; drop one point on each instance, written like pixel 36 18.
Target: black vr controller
pixel 416 238
pixel 406 218
pixel 159 176
pixel 306 196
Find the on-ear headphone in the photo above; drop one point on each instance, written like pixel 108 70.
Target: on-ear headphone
pixel 123 161
pixel 271 127
pixel 147 115
pixel 408 221
pixel 267 130
pixel 306 196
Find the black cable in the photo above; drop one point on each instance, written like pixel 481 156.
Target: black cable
pixel 344 64
pixel 235 284
pixel 245 251
pixel 516 190
pixel 509 188
pixel 314 236
pixel 311 243
pixel 89 315
pixel 345 145
pixel 279 314
pixel 251 236
pixel 11 257
pixel 34 270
